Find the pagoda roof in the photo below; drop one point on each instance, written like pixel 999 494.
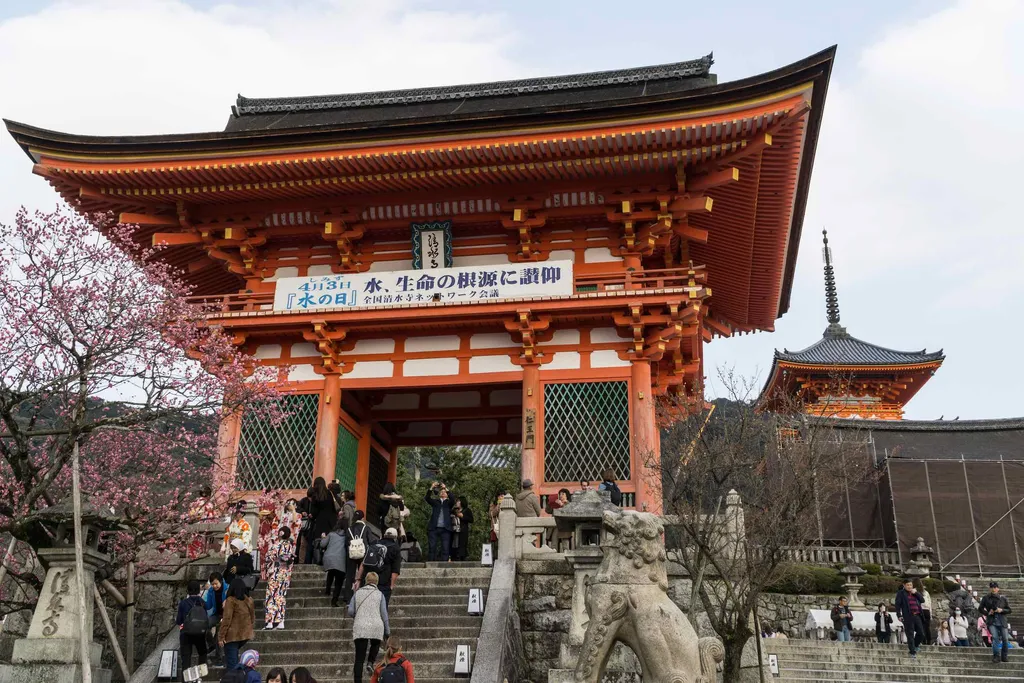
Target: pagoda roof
pixel 471 100
pixel 837 348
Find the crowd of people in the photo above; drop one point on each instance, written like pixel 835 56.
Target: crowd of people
pixel 361 570
pixel 913 609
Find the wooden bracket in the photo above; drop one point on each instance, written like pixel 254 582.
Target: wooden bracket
pixel 328 341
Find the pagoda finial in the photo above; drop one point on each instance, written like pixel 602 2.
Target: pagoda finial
pixel 831 294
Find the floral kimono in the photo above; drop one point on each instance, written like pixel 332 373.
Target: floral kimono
pixel 239 529
pixel 267 507
pixel 280 556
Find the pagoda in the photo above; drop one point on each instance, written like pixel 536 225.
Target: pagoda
pixel 842 376
pixel 536 261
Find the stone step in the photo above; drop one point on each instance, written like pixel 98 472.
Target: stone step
pixel 908 665
pixel 427 613
pixel 406 624
pixel 435 571
pixel 455 581
pixel 341 669
pixel 403 592
pixel 852 651
pixel 289 659
pixel 903 677
pixel 290 643
pixel 320 600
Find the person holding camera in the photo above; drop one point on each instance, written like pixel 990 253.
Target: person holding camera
pixel 908 607
pixel 842 621
pixel 995 608
pixel 439 528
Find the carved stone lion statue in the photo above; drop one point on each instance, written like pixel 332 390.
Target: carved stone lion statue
pixel 627 601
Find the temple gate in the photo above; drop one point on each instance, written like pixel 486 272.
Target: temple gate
pixel 535 261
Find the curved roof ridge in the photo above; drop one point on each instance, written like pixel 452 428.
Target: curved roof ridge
pixel 692 68
pixel 986 424
pixel 838 347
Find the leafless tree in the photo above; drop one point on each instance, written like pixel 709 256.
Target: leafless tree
pixel 788 468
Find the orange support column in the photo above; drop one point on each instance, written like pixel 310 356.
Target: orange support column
pixel 227 450
pixel 327 435
pixel 393 465
pixel 533 450
pixel 646 446
pixel 363 466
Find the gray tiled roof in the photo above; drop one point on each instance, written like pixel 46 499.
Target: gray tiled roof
pixel 999 439
pixel 837 347
pixel 483 456
pixel 696 67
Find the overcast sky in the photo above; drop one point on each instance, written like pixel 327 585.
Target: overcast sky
pixel 916 177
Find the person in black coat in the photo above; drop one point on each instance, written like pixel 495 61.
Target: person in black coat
pixel 883 624
pixel 189 642
pixel 322 514
pixel 461 540
pixel 908 607
pixel 439 528
pixel 239 563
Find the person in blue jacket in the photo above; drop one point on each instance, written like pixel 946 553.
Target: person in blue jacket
pixel 439 529
pixel 213 597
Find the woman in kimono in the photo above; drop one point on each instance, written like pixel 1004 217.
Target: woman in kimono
pixel 267 507
pixel 279 559
pixel 240 529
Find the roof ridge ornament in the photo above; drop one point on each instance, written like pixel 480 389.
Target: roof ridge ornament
pixel 831 293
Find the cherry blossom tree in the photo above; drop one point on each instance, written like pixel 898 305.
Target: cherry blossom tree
pixel 100 345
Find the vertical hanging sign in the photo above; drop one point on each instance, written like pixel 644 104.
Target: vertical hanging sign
pixel 432 245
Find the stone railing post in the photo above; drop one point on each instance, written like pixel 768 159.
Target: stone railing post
pixel 507 529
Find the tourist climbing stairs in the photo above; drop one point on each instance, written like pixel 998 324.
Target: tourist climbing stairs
pixel 428 612
pixel 866 662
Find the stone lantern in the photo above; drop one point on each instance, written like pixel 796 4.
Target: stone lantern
pixel 584 517
pixel 920 560
pixel 852 572
pixel 51 650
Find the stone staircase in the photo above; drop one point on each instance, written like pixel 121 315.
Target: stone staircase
pixel 863 662
pixel 427 611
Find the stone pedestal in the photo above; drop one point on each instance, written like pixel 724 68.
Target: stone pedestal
pixel 51 650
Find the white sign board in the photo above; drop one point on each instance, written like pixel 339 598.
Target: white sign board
pixel 463 660
pixel 487 555
pixel 168 669
pixel 468 284
pixel 476 601
pixel 773 664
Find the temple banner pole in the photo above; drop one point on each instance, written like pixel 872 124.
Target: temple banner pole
pixel 326 453
pixel 647 460
pixel 532 458
pixel 84 636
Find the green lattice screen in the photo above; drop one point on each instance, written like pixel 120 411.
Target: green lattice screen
pixel 345 459
pixel 279 456
pixel 586 429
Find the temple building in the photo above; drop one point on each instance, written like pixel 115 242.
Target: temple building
pixel 536 261
pixel 842 376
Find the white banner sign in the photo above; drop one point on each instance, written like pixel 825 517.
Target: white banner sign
pixel 459 285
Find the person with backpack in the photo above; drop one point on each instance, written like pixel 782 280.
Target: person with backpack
pixel 236 628
pixel 248 662
pixel 359 538
pixel 280 556
pixel 370 627
pixel 608 484
pixel 393 668
pixel 193 624
pixel 411 550
pixel 334 547
pixel 385 558
pixel 389 507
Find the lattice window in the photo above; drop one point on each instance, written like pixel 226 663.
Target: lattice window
pixel 346 456
pixel 279 456
pixel 586 430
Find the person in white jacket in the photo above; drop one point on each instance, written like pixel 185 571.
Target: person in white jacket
pixel 958 628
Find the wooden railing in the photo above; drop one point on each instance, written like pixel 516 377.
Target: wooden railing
pixel 661 278
pixel 842 555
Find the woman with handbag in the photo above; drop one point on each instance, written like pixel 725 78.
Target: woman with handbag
pixel 321 514
pixel 280 556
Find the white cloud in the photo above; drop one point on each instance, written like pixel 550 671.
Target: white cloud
pixel 918 181
pixel 160 66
